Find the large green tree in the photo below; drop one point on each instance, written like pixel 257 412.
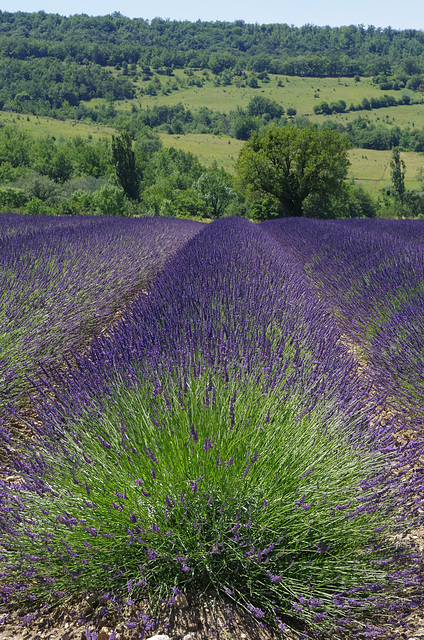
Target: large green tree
pixel 290 164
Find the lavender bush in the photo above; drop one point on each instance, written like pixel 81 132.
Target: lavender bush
pixel 219 438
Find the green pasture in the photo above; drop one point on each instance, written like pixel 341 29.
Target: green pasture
pixel 209 148
pixel 402 116
pixel 42 125
pixel 301 93
pixel 371 169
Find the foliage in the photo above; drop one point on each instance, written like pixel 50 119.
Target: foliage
pixel 45 84
pixel 243 125
pixel 78 69
pixel 12 199
pixel 397 173
pixel 355 202
pixel 123 159
pixel 260 106
pixel 57 159
pixel 90 43
pixel 264 207
pixel 360 204
pixel 42 187
pixel 215 188
pixel 145 168
pixel 190 203
pixel 292 164
pixel 110 200
pixel 411 206
pixel 36 207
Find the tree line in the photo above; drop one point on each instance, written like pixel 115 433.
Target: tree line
pixel 54 66
pixel 43 86
pixel 111 177
pixel 281 171
pixel 275 48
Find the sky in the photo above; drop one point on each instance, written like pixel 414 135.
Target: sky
pixel 399 14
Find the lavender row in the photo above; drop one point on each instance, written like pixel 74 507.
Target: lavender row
pixel 218 439
pixel 62 280
pixel 371 275
pixel 15 224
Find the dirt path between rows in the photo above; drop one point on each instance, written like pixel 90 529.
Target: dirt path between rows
pixel 402 419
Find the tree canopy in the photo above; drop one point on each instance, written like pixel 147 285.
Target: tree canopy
pixel 309 50
pixel 291 164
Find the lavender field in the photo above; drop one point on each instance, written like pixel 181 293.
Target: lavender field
pixel 229 433
pixel 62 279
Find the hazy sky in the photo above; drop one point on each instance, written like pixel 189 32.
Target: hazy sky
pixel 400 14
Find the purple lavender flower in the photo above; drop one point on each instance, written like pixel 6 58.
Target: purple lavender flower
pixel 258 613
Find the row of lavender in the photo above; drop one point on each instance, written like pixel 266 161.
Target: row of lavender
pixel 62 279
pixel 371 275
pixel 218 438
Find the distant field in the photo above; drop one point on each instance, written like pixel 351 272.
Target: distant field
pixel 207 147
pixel 371 168
pixel 301 93
pixel 402 116
pixel 40 126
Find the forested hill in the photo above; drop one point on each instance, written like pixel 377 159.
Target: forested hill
pixel 273 48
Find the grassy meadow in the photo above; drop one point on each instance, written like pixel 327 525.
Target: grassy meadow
pixel 301 93
pixel 209 148
pixel 369 168
pixel 42 125
pixel 400 116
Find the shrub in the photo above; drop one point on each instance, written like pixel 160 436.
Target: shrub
pixel 42 188
pixel 35 206
pixel 12 199
pixel 110 200
pixel 252 82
